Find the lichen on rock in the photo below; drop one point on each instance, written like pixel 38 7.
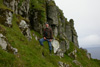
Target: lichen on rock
pixel 6 17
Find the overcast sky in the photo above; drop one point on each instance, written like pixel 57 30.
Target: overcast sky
pixel 86 15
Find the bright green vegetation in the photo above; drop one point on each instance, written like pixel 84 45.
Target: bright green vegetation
pixel 39 6
pixel 30 52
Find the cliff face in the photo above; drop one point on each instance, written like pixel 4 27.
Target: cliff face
pixel 19 18
pixel 62 29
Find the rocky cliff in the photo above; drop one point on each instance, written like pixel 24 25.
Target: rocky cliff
pixel 21 25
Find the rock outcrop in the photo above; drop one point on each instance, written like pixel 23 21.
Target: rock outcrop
pixel 25 29
pixel 3 43
pixel 54 16
pixel 63 30
pixel 6 17
pixel 6 46
pixel 18 6
pixel 61 64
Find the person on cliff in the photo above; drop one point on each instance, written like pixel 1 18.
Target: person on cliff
pixel 47 36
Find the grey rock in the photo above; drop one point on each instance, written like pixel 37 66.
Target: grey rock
pixel 11 49
pixel 55 45
pixel 9 3
pixel 35 21
pixel 3 43
pixel 68 32
pixel 8 21
pixel 74 33
pixel 73 54
pixel 6 46
pixel 52 18
pixel 6 17
pixel 61 64
pixel 55 31
pixel 77 63
pixel 60 53
pixel 62 49
pixel 67 44
pixel 15 50
pixel 22 9
pixel 25 29
pixel 52 15
pixel 75 40
pixel 64 46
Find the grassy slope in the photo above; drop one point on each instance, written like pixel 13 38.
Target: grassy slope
pixel 30 52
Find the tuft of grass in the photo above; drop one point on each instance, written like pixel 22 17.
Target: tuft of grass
pixel 2 29
pixel 6 59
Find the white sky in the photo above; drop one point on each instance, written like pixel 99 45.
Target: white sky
pixel 86 15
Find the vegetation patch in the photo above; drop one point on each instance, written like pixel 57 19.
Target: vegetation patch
pixel 2 30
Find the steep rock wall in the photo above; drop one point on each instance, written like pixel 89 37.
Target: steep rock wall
pixel 63 30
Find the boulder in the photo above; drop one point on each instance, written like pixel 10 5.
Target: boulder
pixel 60 47
pixel 25 29
pixel 55 45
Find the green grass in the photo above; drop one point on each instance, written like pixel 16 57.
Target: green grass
pixel 30 52
pixel 2 6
